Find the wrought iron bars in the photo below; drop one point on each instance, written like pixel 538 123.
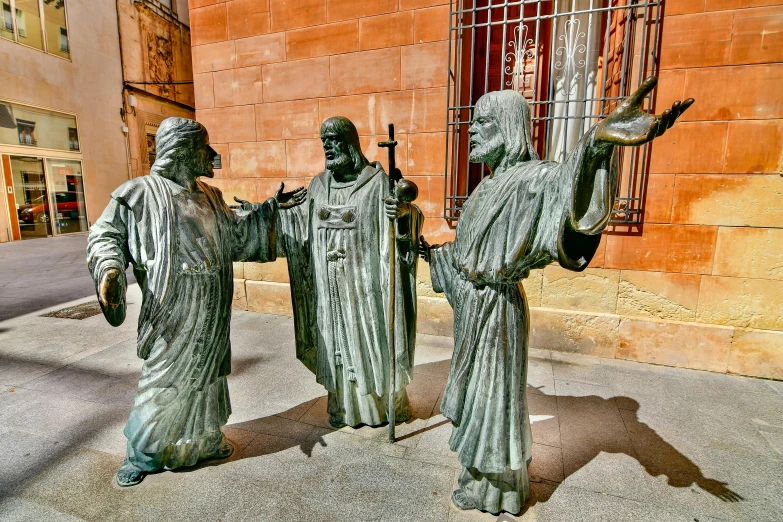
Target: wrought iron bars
pixel 574 60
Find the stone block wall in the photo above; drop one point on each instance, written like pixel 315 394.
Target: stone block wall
pixel 698 285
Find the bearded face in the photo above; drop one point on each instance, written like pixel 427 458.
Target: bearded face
pixel 336 151
pixel 202 157
pixel 486 140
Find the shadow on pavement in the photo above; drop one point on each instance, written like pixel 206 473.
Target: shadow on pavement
pixel 285 430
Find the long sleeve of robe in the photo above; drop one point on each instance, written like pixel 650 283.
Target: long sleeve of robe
pixel 338 260
pixel 523 218
pixel 181 246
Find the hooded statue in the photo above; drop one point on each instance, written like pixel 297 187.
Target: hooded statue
pixel 181 239
pixel 525 215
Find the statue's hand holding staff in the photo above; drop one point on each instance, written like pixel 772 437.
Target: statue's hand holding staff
pixel 629 125
pixel 396 209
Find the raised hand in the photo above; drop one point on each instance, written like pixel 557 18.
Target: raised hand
pixel 246 205
pixel 290 199
pixel 628 125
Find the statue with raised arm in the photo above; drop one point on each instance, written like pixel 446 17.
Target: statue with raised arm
pixel 338 247
pixel 181 239
pixel 523 216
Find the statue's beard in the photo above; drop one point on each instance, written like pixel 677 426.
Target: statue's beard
pixel 487 152
pixel 340 161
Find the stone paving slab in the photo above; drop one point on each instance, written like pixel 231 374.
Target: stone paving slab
pixel 613 440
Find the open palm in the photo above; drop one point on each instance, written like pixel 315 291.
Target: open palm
pixel 629 125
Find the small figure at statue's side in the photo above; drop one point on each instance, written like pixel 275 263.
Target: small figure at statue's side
pixel 181 238
pixel 526 214
pixel 337 246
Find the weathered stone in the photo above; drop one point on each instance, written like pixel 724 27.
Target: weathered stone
pixel 268 297
pixel 659 295
pixel 435 316
pixel 532 286
pixel 594 290
pixel 424 282
pixel 749 303
pixel 276 271
pixel 574 332
pixel 758 353
pixel 674 343
pixel 240 297
pixel 239 270
pixel 749 252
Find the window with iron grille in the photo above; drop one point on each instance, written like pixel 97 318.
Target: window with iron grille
pixel 574 60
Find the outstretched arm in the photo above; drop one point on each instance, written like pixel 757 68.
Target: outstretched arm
pixel 107 258
pixel 628 125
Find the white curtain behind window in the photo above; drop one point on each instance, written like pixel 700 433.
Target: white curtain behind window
pixel 573 68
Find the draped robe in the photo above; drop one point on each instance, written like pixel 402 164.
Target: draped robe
pixel 522 218
pixel 181 245
pixel 337 245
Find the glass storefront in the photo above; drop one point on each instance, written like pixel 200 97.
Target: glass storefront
pixel 67 196
pixel 32 198
pixel 41 160
pixel 49 196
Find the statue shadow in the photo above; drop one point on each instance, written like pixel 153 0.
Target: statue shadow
pixel 587 426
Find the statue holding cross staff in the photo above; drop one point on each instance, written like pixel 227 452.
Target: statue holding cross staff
pixel 339 250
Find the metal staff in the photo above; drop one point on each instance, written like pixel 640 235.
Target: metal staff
pixel 394 175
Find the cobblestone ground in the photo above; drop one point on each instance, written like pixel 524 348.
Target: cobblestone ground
pixel 612 440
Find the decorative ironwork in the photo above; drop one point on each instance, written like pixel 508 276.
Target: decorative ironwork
pixel 573 59
pixel 523 56
pixel 568 62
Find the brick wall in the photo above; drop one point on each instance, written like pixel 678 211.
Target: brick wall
pixel 699 285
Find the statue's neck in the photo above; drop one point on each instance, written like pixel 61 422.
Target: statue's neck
pixel 345 174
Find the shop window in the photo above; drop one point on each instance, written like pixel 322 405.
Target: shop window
pixel 39 25
pixel 31 126
pixel 574 60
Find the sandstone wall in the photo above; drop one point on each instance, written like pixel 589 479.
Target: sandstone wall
pixel 699 285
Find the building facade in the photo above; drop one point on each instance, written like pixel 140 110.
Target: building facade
pixel 693 278
pixel 68 133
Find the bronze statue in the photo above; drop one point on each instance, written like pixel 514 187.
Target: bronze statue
pixel 181 239
pixel 526 214
pixel 338 249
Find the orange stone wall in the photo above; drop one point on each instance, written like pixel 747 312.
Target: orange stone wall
pixel 698 285
pixel 267 73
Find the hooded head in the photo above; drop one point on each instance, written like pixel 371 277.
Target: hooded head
pixel 181 142
pixel 500 134
pixel 341 145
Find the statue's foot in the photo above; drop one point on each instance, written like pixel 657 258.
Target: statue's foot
pixel 402 417
pixel 129 475
pixel 461 500
pixel 224 451
pixel 335 421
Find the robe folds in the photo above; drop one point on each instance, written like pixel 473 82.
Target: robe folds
pixel 181 245
pixel 522 218
pixel 337 245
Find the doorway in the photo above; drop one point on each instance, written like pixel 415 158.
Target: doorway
pixel 49 196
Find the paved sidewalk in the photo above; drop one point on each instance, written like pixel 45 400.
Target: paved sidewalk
pixel 614 441
pixel 39 273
